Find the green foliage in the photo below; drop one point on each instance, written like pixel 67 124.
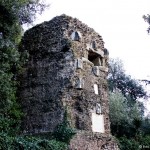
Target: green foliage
pixel 125 120
pixel 126 113
pixel 12 15
pixel 63 131
pixel 118 107
pixel 128 144
pixel 118 80
pixel 145 127
pixel 29 143
pixel 138 143
pixel 145 141
pixel 22 11
pixel 9 125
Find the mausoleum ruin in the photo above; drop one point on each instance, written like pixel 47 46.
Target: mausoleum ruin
pixel 67 69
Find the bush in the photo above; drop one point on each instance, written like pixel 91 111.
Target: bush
pixel 64 132
pixel 29 143
pixel 137 143
pixel 128 144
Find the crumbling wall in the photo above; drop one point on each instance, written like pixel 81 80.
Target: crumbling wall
pixel 45 77
pixel 66 70
pixel 87 43
pixel 93 141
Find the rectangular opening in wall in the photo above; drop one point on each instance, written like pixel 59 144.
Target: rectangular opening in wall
pixel 96 89
pixel 94 58
pixel 98 123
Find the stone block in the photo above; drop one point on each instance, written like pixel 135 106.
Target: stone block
pixel 79 64
pixel 80 83
pixel 98 123
pixel 86 60
pixel 88 46
pixel 96 70
pixel 102 68
pixel 98 109
pixel 100 52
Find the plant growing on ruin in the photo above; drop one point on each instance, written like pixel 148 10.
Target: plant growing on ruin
pixel 63 131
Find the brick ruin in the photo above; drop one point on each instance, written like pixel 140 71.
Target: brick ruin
pixel 67 68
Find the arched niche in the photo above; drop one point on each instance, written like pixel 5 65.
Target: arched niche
pixel 98 109
pixel 106 52
pixel 76 36
pixel 93 45
pixel 79 83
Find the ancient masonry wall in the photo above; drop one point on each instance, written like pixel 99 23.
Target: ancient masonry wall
pixel 67 68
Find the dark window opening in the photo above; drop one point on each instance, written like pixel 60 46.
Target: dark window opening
pixel 106 52
pixel 65 48
pixel 75 36
pixel 95 59
pixel 93 45
pixel 79 123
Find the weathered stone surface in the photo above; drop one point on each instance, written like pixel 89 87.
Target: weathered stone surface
pixel 98 109
pixel 79 64
pixel 96 70
pixel 59 73
pixel 93 45
pixel 80 83
pixel 92 141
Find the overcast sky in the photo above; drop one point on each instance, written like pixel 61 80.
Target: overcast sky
pixel 119 22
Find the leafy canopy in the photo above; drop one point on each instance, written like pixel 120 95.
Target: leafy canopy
pixel 118 80
pixel 12 15
pixel 122 116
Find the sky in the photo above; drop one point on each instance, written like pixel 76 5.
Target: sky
pixel 121 25
pixel 119 22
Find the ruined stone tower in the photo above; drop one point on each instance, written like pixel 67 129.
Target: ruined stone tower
pixel 67 68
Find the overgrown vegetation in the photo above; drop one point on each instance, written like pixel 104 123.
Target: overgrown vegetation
pixel 128 123
pixel 126 113
pixel 8 142
pixel 63 132
pixel 13 14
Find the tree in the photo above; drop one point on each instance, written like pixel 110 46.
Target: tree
pixel 123 117
pixel 118 80
pixel 147 19
pixel 23 11
pixel 12 15
pixel 126 112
